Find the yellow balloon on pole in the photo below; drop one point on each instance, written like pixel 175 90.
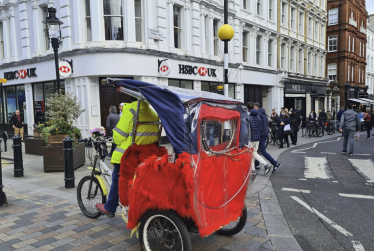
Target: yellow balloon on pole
pixel 226 32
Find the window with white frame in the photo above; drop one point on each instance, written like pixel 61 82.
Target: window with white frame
pixel 245 47
pixel 215 37
pixel 113 19
pixel 322 34
pixel 1 42
pixel 349 42
pixel 333 16
pixel 359 75
pixel 283 51
pixel 271 10
pixel 368 60
pixel 321 66
pixel 372 62
pixel 301 58
pixel 88 21
pixel 331 68
pixel 283 13
pixel 363 49
pixel 258 7
pixel 138 20
pixel 258 50
pixel 177 27
pixel 47 44
pixel 246 4
pixel 310 27
pixel 293 18
pixel 333 43
pixel 206 23
pixel 301 23
pixel 309 63
pixel 270 52
pixel 315 72
pixel 353 44
pixel 292 58
pixel 353 73
pixel 316 32
pixel 349 72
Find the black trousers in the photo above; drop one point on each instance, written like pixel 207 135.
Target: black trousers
pixel 285 137
pixel 294 137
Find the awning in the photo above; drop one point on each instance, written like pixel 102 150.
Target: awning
pixel 367 100
pixel 359 101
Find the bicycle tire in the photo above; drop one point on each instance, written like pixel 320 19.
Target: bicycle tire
pixel 240 224
pixel 175 221
pixel 93 213
pixel 277 140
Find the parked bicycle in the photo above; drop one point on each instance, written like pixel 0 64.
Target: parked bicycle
pixel 273 136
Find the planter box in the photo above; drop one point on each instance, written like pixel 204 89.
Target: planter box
pixel 54 157
pixel 34 146
pixel 37 135
pixel 56 140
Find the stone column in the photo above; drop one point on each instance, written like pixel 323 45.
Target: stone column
pixel 162 9
pixel 203 42
pixel 6 37
pixel 38 29
pixel 97 23
pixel 265 50
pixel 66 26
pixel 252 45
pixel 236 40
pixel 129 24
pixel 80 32
pixel 147 16
pixel 24 25
pixel 329 105
pixel 197 25
pixel 29 105
pixel 171 27
pixel 13 34
pixel 187 31
pixel 211 39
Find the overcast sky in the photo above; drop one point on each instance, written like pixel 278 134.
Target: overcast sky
pixel 370 6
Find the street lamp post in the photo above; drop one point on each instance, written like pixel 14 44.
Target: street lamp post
pixel 53 23
pixel 226 33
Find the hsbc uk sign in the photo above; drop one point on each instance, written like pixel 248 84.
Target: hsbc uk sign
pixel 11 75
pixel 188 69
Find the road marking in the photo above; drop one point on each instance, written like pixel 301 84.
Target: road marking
pixel 302 179
pixel 327 220
pixel 295 190
pixel 327 153
pixel 362 154
pixel 358 246
pixel 335 181
pixel 317 168
pixel 314 146
pixel 365 167
pixel 357 196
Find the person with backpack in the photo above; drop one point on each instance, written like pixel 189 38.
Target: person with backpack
pixel 255 124
pixel 368 121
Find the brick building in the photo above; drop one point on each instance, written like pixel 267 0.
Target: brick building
pixel 346 46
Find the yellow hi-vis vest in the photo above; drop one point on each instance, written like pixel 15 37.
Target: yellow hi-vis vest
pixel 145 134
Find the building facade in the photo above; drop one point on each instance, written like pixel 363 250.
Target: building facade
pixel 370 56
pixel 134 39
pixel 302 54
pixel 346 42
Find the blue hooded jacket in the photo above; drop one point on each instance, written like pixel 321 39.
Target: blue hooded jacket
pixel 255 123
pixel 264 119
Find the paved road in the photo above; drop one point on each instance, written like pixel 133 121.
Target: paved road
pixel 326 197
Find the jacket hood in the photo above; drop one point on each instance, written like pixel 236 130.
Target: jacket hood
pixel 253 112
pixel 262 111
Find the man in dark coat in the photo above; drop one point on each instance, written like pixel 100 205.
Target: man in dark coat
pixel 111 123
pixel 264 137
pixel 255 124
pixel 339 116
pixel 295 124
pixel 333 112
pixel 298 112
pixel 17 122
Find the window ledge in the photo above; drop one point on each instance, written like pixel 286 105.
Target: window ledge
pixel 332 51
pixel 260 17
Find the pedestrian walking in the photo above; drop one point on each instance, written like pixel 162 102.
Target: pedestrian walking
pixel 121 108
pixel 264 136
pixel 295 124
pixel 349 125
pixel 255 124
pixel 284 129
pixel 329 116
pixel 17 122
pixel 368 122
pixel 333 113
pixel 312 115
pixel 339 116
pixel 111 123
pixel 298 112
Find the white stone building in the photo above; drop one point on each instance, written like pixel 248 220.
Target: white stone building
pixel 128 39
pixel 370 56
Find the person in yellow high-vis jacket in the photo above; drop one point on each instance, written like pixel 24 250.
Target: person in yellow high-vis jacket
pixel 123 137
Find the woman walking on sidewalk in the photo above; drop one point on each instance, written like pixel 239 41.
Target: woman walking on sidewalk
pixel 283 120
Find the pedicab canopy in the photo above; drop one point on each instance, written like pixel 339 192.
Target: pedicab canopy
pixel 179 109
pixel 207 183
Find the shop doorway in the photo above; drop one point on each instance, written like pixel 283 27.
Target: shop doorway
pixel 109 96
pixel 293 102
pixel 252 93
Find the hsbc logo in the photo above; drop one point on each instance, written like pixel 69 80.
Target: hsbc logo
pixel 64 69
pixel 163 67
pixel 188 69
pixel 11 75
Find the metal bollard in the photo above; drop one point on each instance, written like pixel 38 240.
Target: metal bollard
pixel 68 163
pixel 17 156
pixel 3 200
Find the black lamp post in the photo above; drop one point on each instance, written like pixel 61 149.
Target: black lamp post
pixel 54 25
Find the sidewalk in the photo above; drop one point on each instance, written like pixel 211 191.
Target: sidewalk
pixel 43 215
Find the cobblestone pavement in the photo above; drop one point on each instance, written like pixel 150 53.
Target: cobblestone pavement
pixel 34 221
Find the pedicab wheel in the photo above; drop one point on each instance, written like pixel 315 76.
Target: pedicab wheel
pixel 87 199
pixel 234 227
pixel 163 230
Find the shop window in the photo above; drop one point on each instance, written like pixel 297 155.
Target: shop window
pixel 88 21
pixel 187 84
pixel 177 27
pixel 13 99
pixel 332 71
pixel 209 86
pixel 138 20
pixel 232 90
pixel 113 19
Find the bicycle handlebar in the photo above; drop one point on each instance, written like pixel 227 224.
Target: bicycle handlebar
pixel 102 141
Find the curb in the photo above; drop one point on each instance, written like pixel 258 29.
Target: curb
pixel 277 227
